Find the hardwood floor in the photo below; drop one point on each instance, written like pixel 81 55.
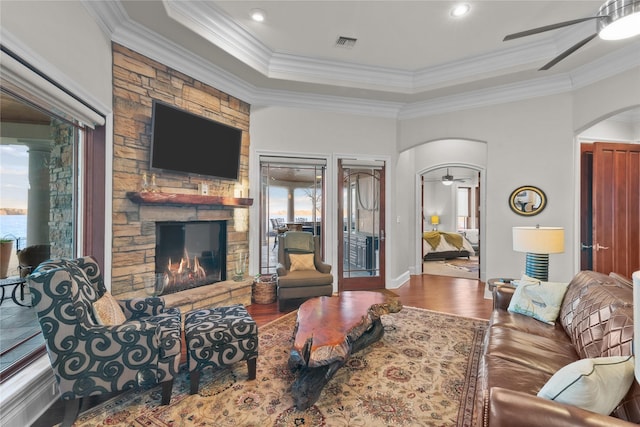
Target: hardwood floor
pixel 463 297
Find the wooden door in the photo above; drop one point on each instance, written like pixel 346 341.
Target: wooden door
pixel 361 220
pixel 616 208
pixel 586 207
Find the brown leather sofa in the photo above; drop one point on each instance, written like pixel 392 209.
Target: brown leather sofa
pixel 521 354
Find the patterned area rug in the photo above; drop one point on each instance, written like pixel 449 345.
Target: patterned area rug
pixel 470 265
pixel 421 373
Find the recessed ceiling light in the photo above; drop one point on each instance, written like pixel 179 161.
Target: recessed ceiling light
pixel 460 10
pixel 258 15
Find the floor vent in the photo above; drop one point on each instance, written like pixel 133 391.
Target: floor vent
pixel 346 42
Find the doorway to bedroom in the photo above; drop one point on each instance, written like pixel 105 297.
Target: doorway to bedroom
pixel 451 222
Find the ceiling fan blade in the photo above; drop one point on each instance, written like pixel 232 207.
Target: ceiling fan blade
pixel 549 27
pixel 567 52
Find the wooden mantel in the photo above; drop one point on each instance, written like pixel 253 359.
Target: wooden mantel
pixel 151 198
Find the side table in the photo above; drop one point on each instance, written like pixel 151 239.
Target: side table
pixel 502 281
pixel 17 283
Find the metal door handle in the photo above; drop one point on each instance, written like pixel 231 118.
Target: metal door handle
pixel 600 247
pixel 583 246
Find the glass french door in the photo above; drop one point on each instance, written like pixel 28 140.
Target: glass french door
pixel 292 198
pixel 361 250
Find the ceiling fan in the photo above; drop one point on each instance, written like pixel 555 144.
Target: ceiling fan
pixel 615 20
pixel 447 179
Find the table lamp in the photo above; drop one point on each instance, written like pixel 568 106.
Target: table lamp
pixel 435 220
pixel 538 242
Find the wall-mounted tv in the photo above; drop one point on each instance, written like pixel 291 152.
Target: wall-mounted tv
pixel 184 142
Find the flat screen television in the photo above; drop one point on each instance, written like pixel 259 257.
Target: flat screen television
pixel 185 142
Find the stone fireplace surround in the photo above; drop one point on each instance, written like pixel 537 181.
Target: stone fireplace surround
pixel 137 80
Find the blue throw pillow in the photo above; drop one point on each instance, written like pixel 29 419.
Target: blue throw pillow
pixel 540 300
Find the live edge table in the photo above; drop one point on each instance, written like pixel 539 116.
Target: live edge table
pixel 328 330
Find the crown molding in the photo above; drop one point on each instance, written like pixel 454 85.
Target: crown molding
pixel 60 78
pixel 151 44
pixel 208 21
pixel 607 66
pixel 543 86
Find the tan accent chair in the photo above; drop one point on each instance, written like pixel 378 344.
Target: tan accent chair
pixel 300 285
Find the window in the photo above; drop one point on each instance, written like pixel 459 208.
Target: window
pixel 43 149
pixel 463 207
pixel 292 199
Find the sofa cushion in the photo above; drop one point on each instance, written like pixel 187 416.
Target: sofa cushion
pixel 539 300
pixel 299 278
pixel 505 319
pixel 597 384
pixel 588 304
pixel 541 353
pixel 107 311
pixel 617 339
pixel 511 375
pixel 592 313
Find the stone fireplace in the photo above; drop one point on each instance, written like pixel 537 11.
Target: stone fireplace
pixel 137 81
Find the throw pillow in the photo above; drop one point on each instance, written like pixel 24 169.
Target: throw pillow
pixel 525 280
pixel 301 262
pixel 540 300
pixel 597 384
pixel 108 311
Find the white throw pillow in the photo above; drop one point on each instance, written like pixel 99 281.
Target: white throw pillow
pixel 597 384
pixel 540 300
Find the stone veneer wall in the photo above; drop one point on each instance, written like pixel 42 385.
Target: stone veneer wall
pixel 62 189
pixel 137 80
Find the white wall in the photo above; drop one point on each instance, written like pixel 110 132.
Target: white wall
pixel 288 131
pixel 527 143
pixel 64 35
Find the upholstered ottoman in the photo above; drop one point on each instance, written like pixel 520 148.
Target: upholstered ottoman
pixel 220 337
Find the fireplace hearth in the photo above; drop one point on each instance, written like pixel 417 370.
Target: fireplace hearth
pixel 190 254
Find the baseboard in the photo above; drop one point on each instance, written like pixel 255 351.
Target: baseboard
pixel 28 394
pixel 398 281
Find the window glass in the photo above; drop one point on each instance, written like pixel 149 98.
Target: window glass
pixel 38 209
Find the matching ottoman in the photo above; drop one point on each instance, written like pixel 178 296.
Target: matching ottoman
pixel 220 337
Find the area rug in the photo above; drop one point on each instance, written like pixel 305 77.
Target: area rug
pixel 470 265
pixel 421 373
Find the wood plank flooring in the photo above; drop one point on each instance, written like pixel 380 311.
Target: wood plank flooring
pixel 462 297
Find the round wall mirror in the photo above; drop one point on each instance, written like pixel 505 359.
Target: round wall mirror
pixel 527 200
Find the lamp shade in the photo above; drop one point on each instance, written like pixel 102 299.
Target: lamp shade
pixel 538 240
pixel 435 219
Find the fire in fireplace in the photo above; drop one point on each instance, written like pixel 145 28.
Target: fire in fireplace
pixel 190 254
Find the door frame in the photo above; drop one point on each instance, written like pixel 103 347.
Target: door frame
pixel 417 267
pixel 361 282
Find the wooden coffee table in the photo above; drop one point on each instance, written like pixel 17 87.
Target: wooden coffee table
pixel 328 330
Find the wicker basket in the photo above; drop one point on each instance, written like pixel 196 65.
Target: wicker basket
pixel 264 289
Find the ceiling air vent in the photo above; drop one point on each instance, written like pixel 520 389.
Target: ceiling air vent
pixel 346 42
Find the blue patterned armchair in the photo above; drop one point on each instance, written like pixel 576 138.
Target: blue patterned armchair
pixel 89 358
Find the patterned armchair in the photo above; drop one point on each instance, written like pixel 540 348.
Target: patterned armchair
pixel 89 358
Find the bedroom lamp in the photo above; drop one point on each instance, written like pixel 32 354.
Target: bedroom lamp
pixel 435 220
pixel 538 242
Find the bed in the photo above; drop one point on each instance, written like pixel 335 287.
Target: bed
pixel 438 245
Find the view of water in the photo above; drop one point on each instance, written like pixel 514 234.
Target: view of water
pixel 13 226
